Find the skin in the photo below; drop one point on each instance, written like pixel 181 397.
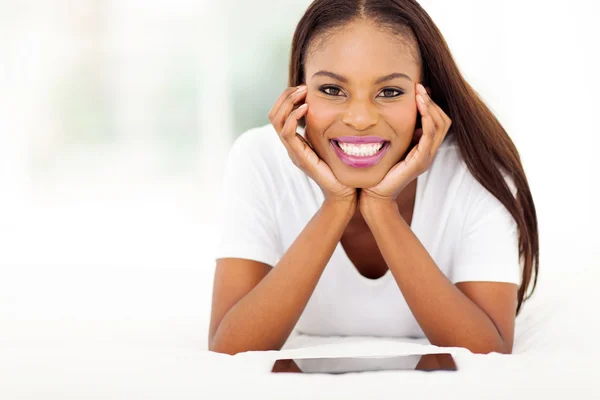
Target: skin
pixel 358 107
pixel 255 307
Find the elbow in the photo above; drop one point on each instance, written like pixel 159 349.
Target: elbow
pixel 222 350
pixel 499 346
pixel 506 348
pixel 479 344
pixel 488 350
pixel 220 343
pixel 217 347
pixel 230 346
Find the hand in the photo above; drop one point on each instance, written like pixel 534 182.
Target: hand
pixel 435 125
pixel 284 119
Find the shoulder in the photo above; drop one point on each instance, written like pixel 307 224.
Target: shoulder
pixel 467 200
pixel 257 143
pixel 451 180
pixel 260 150
pixel 258 161
pixel 448 172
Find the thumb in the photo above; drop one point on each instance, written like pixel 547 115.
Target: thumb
pixel 308 141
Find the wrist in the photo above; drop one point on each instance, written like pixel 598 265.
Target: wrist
pixel 345 207
pixel 372 208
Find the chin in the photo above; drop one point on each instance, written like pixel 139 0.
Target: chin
pixel 359 182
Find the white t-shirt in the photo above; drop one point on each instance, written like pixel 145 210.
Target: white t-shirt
pixel 267 201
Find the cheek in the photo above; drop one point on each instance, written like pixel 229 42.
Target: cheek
pixel 402 119
pixel 320 113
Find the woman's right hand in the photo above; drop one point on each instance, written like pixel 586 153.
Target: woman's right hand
pixel 285 120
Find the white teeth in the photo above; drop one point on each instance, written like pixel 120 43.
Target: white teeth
pixel 362 150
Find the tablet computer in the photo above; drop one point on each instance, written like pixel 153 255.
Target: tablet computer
pixel 341 365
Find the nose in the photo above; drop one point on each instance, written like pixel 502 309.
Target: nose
pixel 360 114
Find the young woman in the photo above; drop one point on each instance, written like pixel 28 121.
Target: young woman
pixel 396 206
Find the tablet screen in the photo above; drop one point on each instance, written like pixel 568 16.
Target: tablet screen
pixel 427 362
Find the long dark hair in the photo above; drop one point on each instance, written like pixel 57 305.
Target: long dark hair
pixel 483 143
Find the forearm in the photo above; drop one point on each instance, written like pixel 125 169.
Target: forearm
pixel 445 314
pixel 265 317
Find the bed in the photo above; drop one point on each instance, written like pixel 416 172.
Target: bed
pixel 165 356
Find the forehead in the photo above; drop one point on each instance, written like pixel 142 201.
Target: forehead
pixel 362 50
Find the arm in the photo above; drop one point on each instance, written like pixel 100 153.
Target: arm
pixel 476 315
pixel 266 314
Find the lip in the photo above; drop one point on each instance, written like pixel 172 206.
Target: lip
pixel 360 139
pixel 357 161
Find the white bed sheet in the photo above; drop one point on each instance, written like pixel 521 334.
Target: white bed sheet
pixel 137 357
pixel 113 371
pixel 168 360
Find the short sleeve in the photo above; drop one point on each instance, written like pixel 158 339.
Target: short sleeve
pixel 488 249
pixel 246 225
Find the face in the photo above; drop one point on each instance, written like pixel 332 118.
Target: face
pixel 361 84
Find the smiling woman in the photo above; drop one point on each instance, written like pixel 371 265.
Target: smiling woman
pixel 383 199
pixel 359 95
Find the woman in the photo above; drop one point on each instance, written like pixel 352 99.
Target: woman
pixel 427 230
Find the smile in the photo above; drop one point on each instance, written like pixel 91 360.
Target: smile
pixel 360 155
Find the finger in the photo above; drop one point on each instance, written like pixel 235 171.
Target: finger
pixel 411 155
pixel 442 129
pixel 443 121
pixel 439 122
pixel 433 110
pixel 288 106
pixel 427 125
pixel 290 138
pixel 398 173
pixel 443 133
pixel 280 101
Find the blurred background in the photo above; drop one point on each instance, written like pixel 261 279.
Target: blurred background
pixel 116 118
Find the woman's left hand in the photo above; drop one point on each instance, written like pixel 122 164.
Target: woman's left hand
pixel 435 125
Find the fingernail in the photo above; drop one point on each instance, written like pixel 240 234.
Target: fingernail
pixel 300 89
pixel 420 98
pixel 304 105
pixel 421 88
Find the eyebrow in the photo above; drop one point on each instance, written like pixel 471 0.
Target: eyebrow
pixel 341 78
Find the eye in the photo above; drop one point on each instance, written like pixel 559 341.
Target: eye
pixel 330 90
pixel 390 92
